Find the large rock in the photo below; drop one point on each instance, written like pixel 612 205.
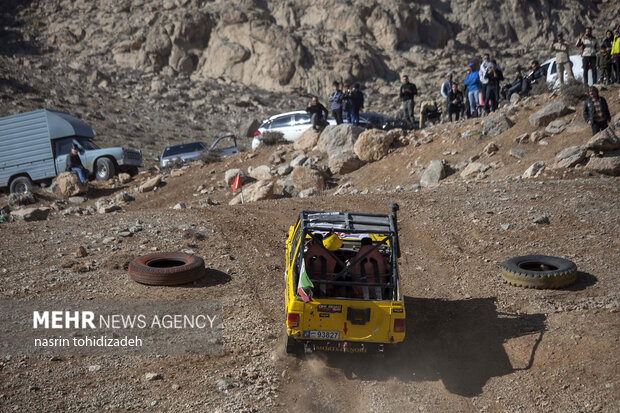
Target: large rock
pixel 69 184
pixel 25 198
pixel 495 124
pixel 344 163
pixel 435 172
pixel 307 140
pixel 608 164
pixel 31 214
pixel 338 139
pixel 474 168
pixel 151 184
pixel 605 140
pixel 556 126
pixel 304 178
pixel 257 191
pixel 260 173
pixel 230 175
pixel 373 144
pixel 534 170
pixel 248 127
pixel 570 157
pixel 549 113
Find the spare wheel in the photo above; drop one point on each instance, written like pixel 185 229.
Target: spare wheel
pixel 166 268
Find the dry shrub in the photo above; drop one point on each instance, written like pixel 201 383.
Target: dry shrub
pixel 273 138
pixel 573 92
pixel 539 88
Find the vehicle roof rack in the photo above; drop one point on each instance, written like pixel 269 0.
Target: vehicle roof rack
pixel 350 222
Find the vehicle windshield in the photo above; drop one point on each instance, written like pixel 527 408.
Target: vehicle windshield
pixel 87 144
pixel 183 148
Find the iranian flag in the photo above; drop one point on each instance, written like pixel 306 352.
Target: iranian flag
pixel 304 284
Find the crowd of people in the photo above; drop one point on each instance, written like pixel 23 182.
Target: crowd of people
pixel 483 87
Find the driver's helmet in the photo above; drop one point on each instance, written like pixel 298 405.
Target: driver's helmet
pixel 332 243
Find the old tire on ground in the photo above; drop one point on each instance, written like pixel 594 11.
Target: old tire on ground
pixel 539 271
pixel 166 268
pixel 104 169
pixel 20 185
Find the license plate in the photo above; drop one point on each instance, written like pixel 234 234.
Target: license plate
pixel 322 335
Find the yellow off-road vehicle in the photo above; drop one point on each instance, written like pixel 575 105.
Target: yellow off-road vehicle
pixel 342 287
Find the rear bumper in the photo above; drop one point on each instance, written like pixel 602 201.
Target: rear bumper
pixel 345 346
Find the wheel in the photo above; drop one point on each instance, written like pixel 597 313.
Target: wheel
pixel 104 169
pixel 293 346
pixel 20 185
pixel 166 268
pixel 539 271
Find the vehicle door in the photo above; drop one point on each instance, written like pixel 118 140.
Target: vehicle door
pixel 225 146
pixel 62 148
pixel 284 125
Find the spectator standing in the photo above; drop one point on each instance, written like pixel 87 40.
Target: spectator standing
pixel 407 92
pixel 595 111
pixel 336 100
pixel 455 102
pixel 562 61
pixel 357 103
pixel 603 65
pixel 446 87
pixel 615 55
pixel 482 73
pixel 589 47
pixel 74 164
pixel 608 41
pixel 472 82
pixel 521 85
pixel 494 76
pixel 316 110
pixel 346 103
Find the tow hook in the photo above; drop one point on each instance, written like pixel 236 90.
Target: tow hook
pixel 345 347
pixel 380 348
pixel 307 349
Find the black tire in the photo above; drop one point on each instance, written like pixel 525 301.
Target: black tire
pixel 293 346
pixel 104 169
pixel 166 268
pixel 539 271
pixel 20 185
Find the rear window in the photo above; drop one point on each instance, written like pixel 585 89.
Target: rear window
pixel 184 148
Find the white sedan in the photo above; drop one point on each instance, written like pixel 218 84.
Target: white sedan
pixel 290 124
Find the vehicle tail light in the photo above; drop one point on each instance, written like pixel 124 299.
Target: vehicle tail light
pixel 399 325
pixel 292 320
pixel 257 133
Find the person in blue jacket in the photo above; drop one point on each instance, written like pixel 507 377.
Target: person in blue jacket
pixel 336 100
pixel 472 82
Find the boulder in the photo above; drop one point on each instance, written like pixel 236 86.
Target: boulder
pixel 31 214
pixel 260 173
pixel 248 127
pixel 304 178
pixel 517 153
pixel 556 126
pixel 344 163
pixel 525 138
pixel 288 189
pixel 307 193
pixel 25 198
pixel 474 168
pixel 298 160
pixel 605 140
pixel 608 164
pixel 69 184
pixel 307 140
pixel 435 172
pixel 570 157
pixel 373 144
pixel 151 184
pixel 534 170
pixel 257 191
pixel 495 124
pixel 230 174
pixel 549 113
pixel 284 170
pixel 338 139
pixel 123 178
pixel 490 149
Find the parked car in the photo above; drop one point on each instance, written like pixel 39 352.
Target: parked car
pixel 551 71
pixel 34 147
pixel 343 289
pixel 186 152
pixel 293 124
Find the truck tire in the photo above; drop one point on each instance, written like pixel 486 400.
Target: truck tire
pixel 104 169
pixel 539 271
pixel 166 268
pixel 20 185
